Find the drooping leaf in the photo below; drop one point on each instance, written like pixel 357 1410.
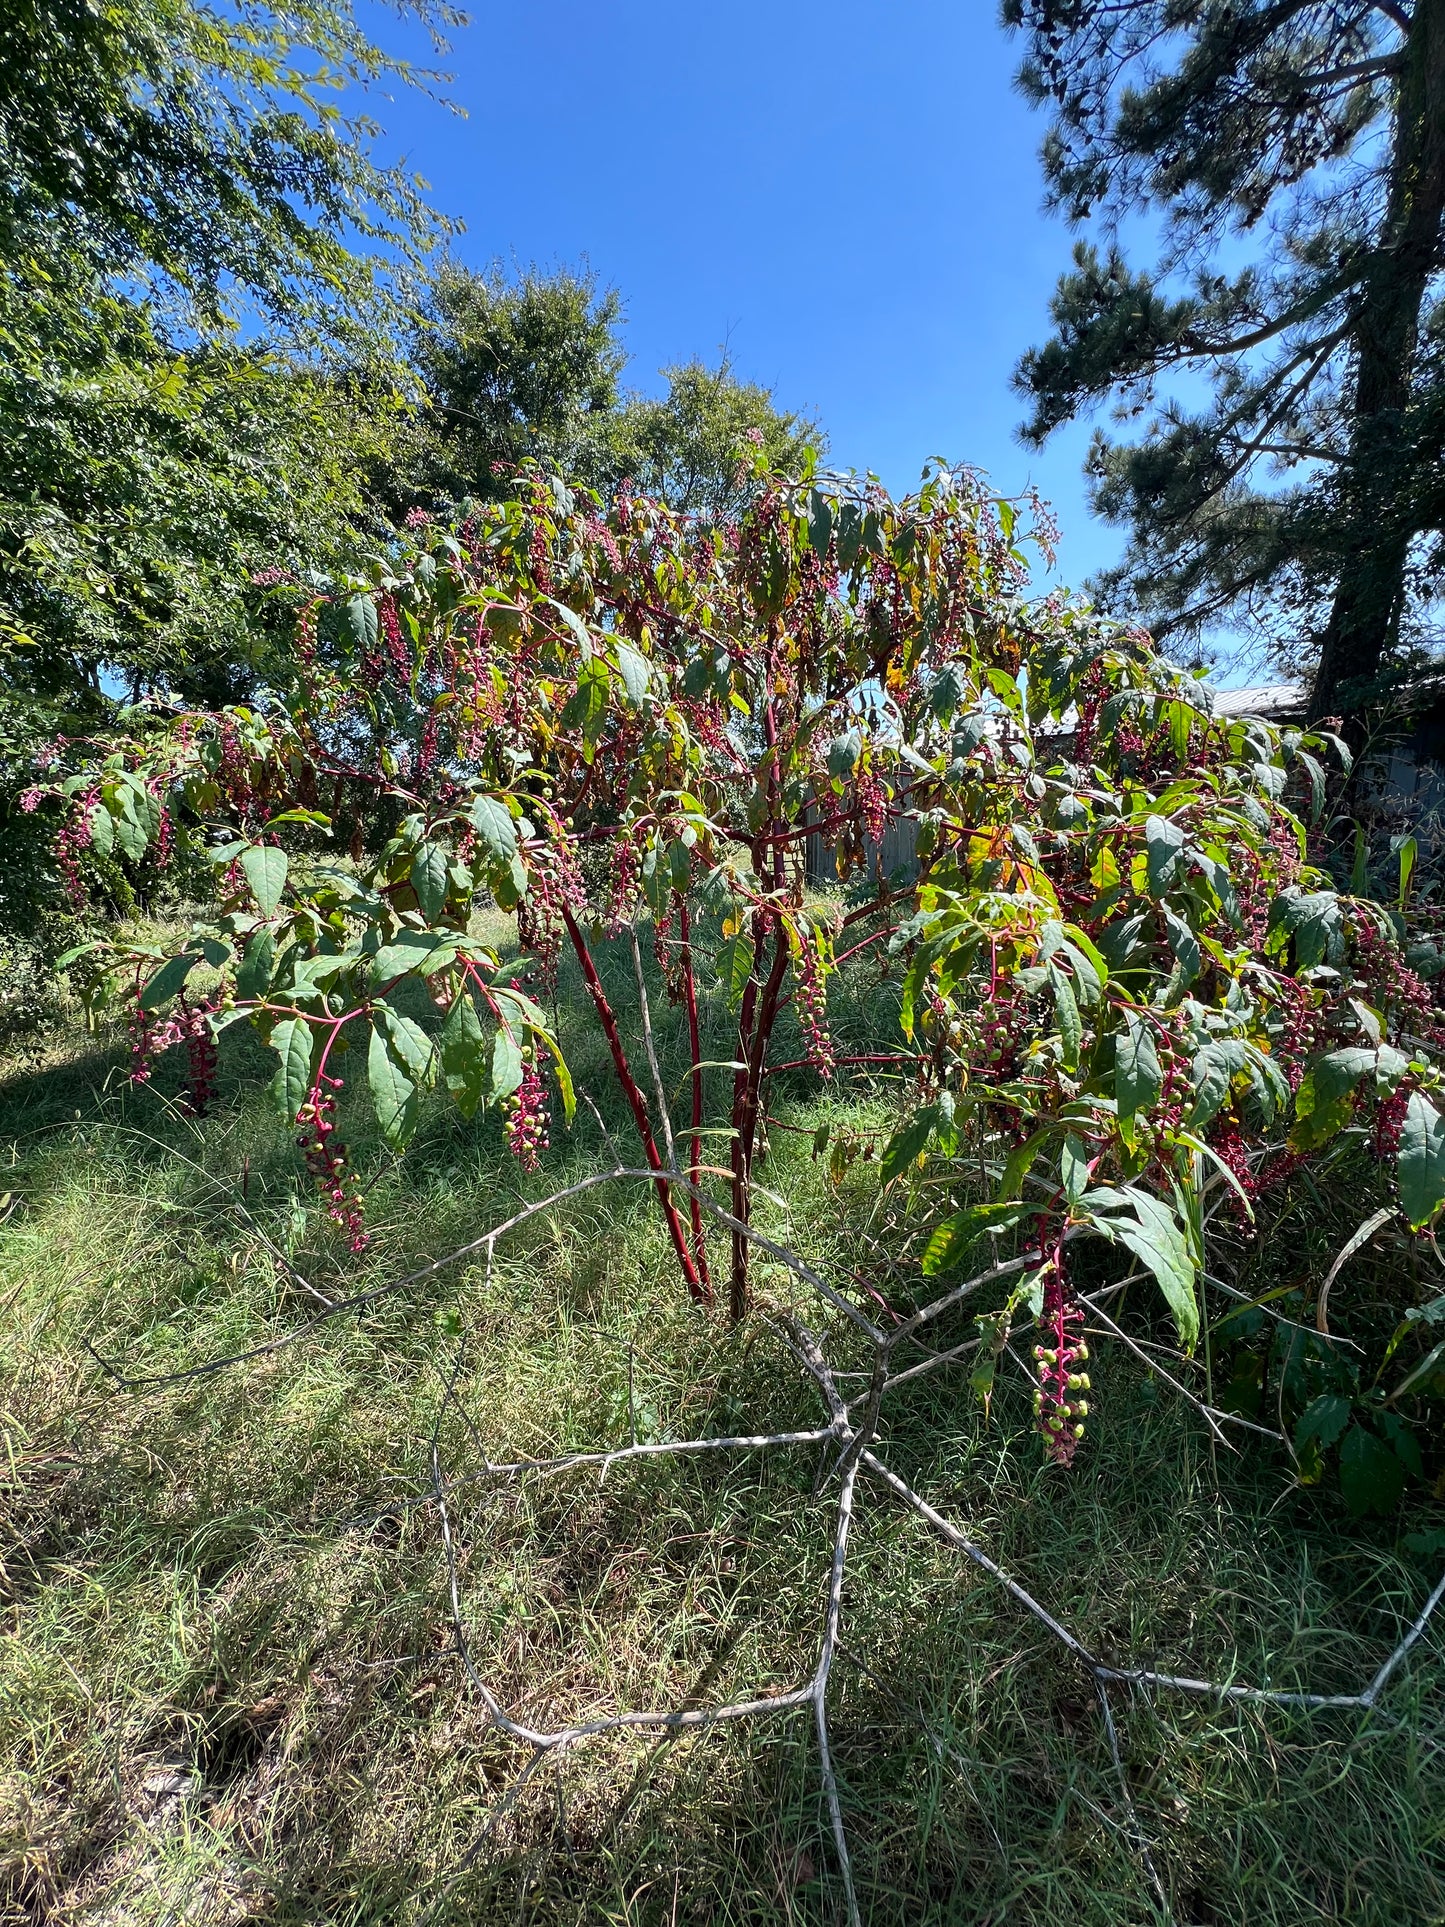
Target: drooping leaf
pixel 1138 1079
pixel 586 709
pixel 1420 1166
pixel 1074 1167
pixel 429 868
pixel 1149 1228
pixel 506 1067
pixel 493 824
pixel 1325 1100
pixel 463 1054
pixel 954 1237
pixel 393 1079
pixel 734 964
pixel 1164 847
pixel 844 753
pixel 254 976
pixel 635 671
pixel 1066 1010
pixel 168 980
pixel 265 869
pixel 1184 944
pixel 292 1042
pixel 909 1141
pixel 361 619
pixel 1216 1065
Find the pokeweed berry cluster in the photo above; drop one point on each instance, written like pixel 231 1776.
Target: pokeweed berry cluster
pixel 72 841
pixel 1059 1408
pixel 328 1163
pixel 813 1005
pixel 624 884
pixel 188 1024
pixel 527 1119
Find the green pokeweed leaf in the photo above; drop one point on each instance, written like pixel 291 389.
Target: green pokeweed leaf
pixel 1184 944
pixel 635 671
pixel 1074 1167
pixel 1215 1067
pixel 1154 1235
pixel 102 830
pixel 409 950
pixel 407 1039
pixel 820 522
pixel 393 1078
pixel 168 980
pixel 463 1055
pixel 734 962
pixel 1138 1079
pixel 130 835
pixel 844 754
pixel 493 824
pixel 1164 849
pixel 361 620
pixel 1325 1100
pixel 506 1070
pixel 945 694
pixel 954 1237
pixel 266 868
pixel 1066 1010
pixel 291 1040
pixel 1421 1163
pixel 586 708
pixel 253 978
pixel 429 879
pixel 909 1141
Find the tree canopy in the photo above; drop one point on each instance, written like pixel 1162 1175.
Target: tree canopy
pixel 529 367
pixel 1286 348
pixel 201 309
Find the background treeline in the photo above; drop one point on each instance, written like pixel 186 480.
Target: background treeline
pixel 234 345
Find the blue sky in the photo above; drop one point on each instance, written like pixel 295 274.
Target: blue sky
pixel 848 195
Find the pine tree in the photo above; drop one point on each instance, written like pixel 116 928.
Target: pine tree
pixel 1287 347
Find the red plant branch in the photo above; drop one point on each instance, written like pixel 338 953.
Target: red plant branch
pixel 698 1290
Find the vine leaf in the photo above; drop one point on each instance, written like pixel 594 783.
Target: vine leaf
pixel 1372 1477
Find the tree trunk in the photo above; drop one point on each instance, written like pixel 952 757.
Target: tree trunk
pixel 1370 590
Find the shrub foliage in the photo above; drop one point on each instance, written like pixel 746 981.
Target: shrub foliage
pixel 1124 1001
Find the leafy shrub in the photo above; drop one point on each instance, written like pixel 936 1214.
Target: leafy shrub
pixel 1131 1002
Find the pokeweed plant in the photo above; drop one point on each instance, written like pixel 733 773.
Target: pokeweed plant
pixel 1129 999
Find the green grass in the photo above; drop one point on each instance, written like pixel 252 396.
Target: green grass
pixel 227 1684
